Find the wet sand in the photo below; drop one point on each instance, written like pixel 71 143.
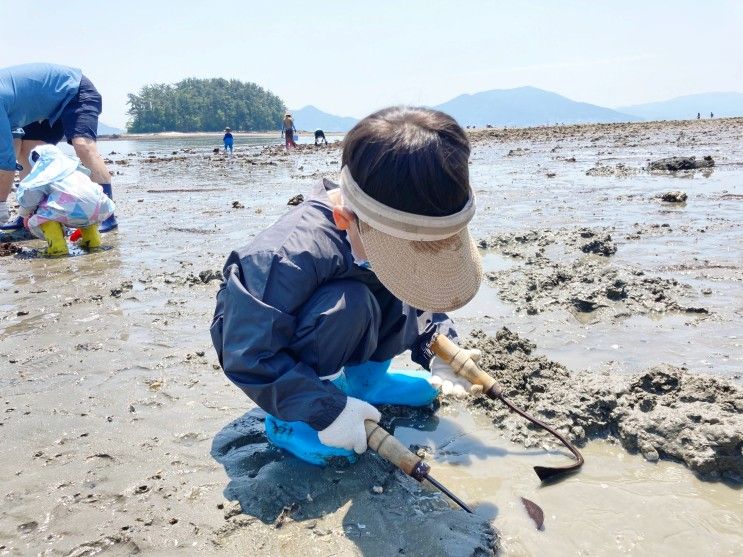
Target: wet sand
pixel 123 435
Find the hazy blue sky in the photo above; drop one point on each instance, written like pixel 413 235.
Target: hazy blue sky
pixel 350 57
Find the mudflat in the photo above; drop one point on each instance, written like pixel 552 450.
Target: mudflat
pixel 622 313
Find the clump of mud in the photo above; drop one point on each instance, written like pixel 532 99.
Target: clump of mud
pixel 664 412
pixel 674 196
pixel 8 248
pixel 296 200
pixel 204 277
pixel 400 519
pixel 520 245
pixel 280 150
pixel 584 285
pixel 620 170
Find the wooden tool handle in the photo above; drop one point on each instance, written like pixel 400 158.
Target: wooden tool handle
pixel 390 448
pixel 462 364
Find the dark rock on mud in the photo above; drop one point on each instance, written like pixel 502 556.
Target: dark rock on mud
pixel 296 200
pixel 673 164
pixel 665 412
pixel 8 248
pixel 404 519
pixel 674 196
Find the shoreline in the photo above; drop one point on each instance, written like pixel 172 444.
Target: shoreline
pixel 186 135
pixel 476 133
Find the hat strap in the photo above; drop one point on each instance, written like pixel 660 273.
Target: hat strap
pixel 401 224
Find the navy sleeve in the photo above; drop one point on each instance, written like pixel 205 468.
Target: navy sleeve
pixel 429 324
pixel 253 326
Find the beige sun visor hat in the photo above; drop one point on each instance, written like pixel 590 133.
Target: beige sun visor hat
pixel 430 263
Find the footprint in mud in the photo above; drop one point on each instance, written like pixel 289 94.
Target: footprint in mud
pixel 405 518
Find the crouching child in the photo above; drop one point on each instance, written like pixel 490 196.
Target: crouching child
pixel 312 312
pixel 58 193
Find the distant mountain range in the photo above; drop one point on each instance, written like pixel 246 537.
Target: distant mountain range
pixel 687 107
pixel 310 118
pixel 526 106
pixel 530 106
pixel 104 129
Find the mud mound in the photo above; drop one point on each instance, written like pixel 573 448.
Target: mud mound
pixel 620 170
pixel 582 286
pixel 588 240
pixel 665 412
pixel 280 150
pixel 585 286
pixel 284 492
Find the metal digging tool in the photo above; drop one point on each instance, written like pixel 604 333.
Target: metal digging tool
pixel 389 448
pixel 465 367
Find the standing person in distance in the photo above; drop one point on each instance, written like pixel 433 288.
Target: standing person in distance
pixel 287 130
pixel 228 140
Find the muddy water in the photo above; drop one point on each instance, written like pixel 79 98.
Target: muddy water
pixel 617 505
pixel 698 243
pixel 112 397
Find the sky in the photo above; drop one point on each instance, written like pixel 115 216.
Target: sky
pixel 351 57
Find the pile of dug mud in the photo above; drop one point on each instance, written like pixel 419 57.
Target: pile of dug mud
pixel 665 412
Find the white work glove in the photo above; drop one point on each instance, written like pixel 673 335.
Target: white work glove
pixel 4 214
pixel 347 431
pixel 443 376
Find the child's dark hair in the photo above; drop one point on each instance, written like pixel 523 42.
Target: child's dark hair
pixel 412 159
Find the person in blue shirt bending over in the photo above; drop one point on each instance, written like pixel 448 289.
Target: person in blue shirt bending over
pixel 39 104
pixel 229 141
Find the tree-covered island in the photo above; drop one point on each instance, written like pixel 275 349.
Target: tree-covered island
pixel 204 105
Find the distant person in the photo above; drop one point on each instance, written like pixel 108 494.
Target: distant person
pixel 287 130
pixel 57 193
pixel 229 141
pixel 320 135
pixel 39 104
pixel 699 115
pixel 711 115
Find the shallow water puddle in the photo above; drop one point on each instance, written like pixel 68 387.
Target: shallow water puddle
pixel 617 504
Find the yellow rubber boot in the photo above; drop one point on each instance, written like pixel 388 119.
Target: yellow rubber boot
pixel 90 237
pixel 54 236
